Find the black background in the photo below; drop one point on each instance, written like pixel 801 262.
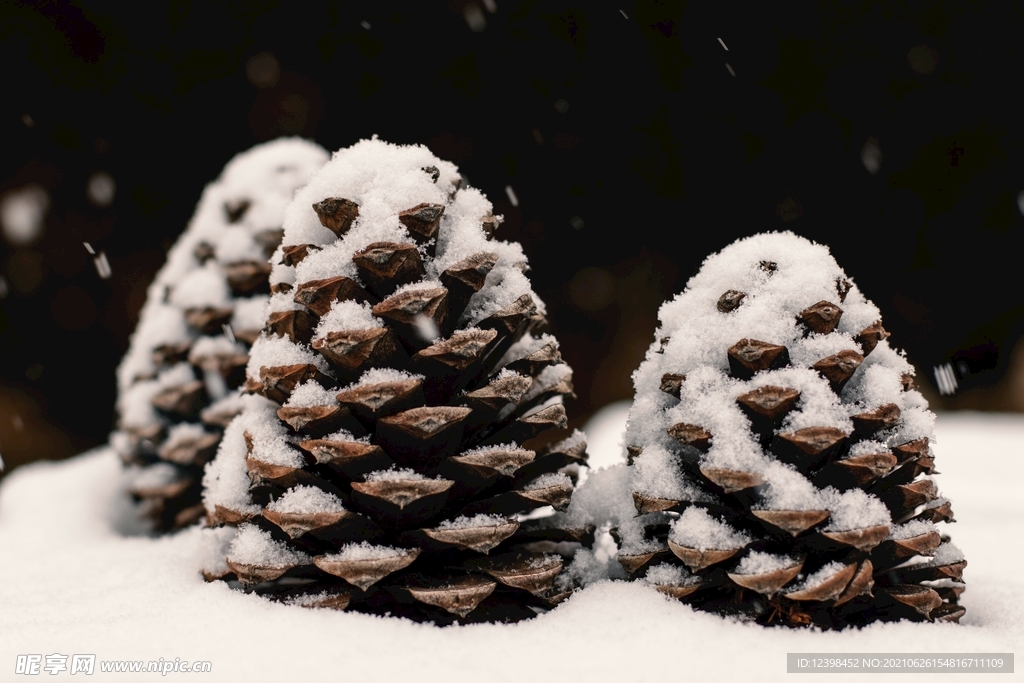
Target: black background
pixel 636 144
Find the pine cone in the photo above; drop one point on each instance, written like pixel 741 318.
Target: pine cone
pixel 404 392
pixel 779 451
pixel 180 381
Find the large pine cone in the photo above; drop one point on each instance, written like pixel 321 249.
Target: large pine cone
pixel 179 384
pixel 400 435
pixel 780 452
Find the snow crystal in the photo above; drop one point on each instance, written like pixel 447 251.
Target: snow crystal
pixel 335 259
pixel 817 346
pixel 665 574
pixel 658 473
pixel 873 385
pixel 306 499
pixel 546 480
pixel 787 489
pixel 915 423
pixel 867 447
pixel 853 509
pixel 254 546
pixel 570 442
pixel 269 436
pixel 345 435
pixel 756 562
pixel 709 401
pixel 947 553
pixel 525 346
pixel 347 315
pixel 915 527
pixel 310 394
pixel 585 569
pixel 818 577
pixel 364 551
pixel 394 474
pixel 270 352
pixel 381 376
pixel 697 529
pixel 464 522
pixel 605 497
pixel 503 286
pixel 818 405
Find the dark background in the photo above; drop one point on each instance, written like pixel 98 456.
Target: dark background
pixel 636 144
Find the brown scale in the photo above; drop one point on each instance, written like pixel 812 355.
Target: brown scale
pixel 479 441
pixel 880 578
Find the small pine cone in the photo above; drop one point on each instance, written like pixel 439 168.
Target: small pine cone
pixel 780 458
pixel 180 382
pixel 404 401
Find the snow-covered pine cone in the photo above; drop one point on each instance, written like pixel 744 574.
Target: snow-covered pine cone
pixel 779 451
pixel 179 384
pixel 393 449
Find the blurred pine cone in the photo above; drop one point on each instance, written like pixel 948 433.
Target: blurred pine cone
pixel 779 451
pixel 179 384
pixel 405 399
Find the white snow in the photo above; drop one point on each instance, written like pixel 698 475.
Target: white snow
pixel 347 315
pixel 364 551
pixel 695 528
pixel 310 394
pixel 547 480
pixel 657 473
pixel 475 521
pixel 269 352
pixel 226 479
pixel 71 582
pixel 669 575
pixel 394 474
pixel 756 562
pixel 306 499
pixel 252 545
pixel 917 527
pixel 853 509
pixel 818 577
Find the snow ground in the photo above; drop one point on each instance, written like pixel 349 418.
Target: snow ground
pixel 71 582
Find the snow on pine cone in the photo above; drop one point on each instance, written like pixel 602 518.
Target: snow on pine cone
pixel 779 451
pixel 404 392
pixel 179 384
